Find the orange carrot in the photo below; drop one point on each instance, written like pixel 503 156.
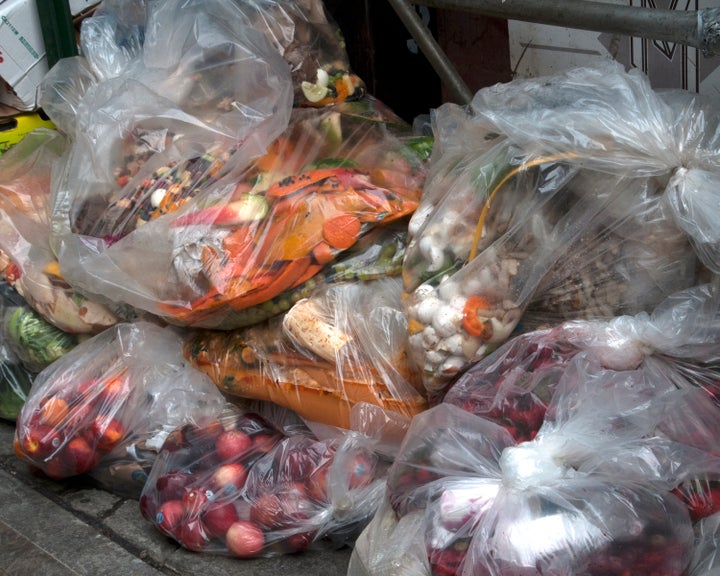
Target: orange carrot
pixel 474 325
pixel 341 231
pixel 297 182
pixel 323 253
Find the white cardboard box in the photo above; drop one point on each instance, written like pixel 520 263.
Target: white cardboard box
pixel 540 50
pixel 23 64
pixel 77 6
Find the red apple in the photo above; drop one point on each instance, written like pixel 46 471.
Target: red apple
pixel 361 469
pixel 245 539
pixel 267 511
pixel 192 535
pixel 169 516
pixel 300 542
pixel 232 444
pixel 53 411
pixel 229 478
pixel 317 484
pixel 114 390
pixel 296 505
pixel 263 443
pixel 195 498
pixel 298 464
pixel 171 486
pixel 107 431
pixel 79 455
pixel 218 517
pixel 80 416
pixel 41 442
pixel 147 506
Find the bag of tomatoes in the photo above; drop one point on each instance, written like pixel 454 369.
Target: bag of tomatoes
pixel 245 486
pixel 105 407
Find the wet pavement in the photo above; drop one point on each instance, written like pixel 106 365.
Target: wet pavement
pixel 68 528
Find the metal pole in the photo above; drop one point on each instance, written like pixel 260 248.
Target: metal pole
pixel 432 51
pixel 697 28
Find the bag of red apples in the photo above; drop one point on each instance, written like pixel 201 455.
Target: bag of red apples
pixel 595 492
pixel 246 486
pixel 106 407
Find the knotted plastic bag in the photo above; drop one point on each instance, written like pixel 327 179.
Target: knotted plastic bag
pixel 570 199
pixel 245 486
pixel 678 340
pixel 592 493
pixel 106 407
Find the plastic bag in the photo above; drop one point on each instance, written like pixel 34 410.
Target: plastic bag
pixel 332 177
pixel 15 378
pixel 245 488
pixel 591 494
pixel 106 407
pixel 341 347
pixel 305 35
pixel 25 237
pixel 513 385
pixel 564 201
pixel 706 561
pixel 112 40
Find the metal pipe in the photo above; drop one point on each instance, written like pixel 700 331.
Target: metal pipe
pixel 697 28
pixel 432 51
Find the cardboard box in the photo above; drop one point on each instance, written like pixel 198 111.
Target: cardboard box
pixel 22 54
pixel 540 50
pixel 77 6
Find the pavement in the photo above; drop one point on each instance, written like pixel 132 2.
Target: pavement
pixel 70 528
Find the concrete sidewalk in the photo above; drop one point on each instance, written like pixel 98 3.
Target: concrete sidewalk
pixel 70 528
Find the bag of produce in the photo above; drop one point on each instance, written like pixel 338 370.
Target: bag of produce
pixel 28 343
pixel 25 228
pixel 679 339
pixel 570 198
pixel 377 254
pixel 306 36
pixel 340 347
pixel 592 493
pixel 106 407
pixel 706 560
pixel 243 487
pixel 333 176
pixel 15 382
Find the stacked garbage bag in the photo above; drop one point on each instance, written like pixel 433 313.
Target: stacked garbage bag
pixel 241 290
pixel 588 448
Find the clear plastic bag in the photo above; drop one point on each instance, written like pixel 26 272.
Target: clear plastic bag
pixel 592 493
pixel 245 487
pixel 106 407
pixel 332 177
pixel 15 378
pixel 339 348
pixel 677 342
pixel 568 201
pixel 25 230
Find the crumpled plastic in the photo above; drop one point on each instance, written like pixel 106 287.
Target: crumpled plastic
pixel 592 493
pixel 569 196
pixel 106 407
pixel 246 486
